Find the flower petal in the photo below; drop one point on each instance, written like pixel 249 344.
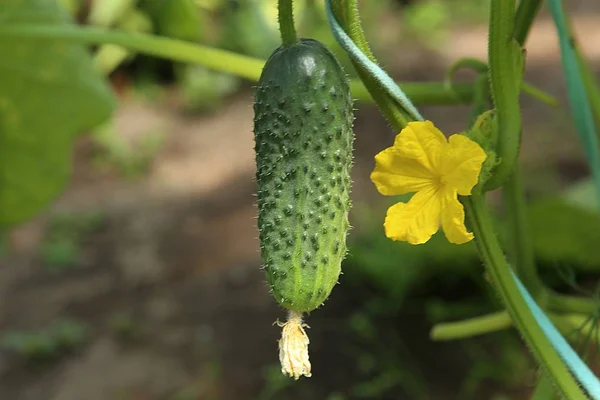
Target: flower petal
pixel 422 142
pixel 395 174
pixel 416 221
pixel 461 164
pixel 453 219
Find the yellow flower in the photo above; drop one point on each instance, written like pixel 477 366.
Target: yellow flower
pixel 422 160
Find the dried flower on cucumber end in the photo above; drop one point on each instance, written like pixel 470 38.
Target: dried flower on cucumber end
pixel 293 347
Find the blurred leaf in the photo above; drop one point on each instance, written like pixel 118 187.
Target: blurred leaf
pixel 274 383
pixel 179 19
pixel 108 12
pixel 74 225
pixel 49 92
pixel 60 254
pixel 395 267
pixel 249 30
pixel 428 20
pixel 203 89
pixel 46 344
pixel 125 327
pixel 583 194
pixel 131 157
pixel 60 250
pixel 110 56
pixel 72 6
pixel 565 233
pixel 496 358
pixel 69 334
pixel 33 346
pixel 378 386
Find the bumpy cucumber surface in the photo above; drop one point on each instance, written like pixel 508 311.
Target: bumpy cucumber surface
pixel 303 142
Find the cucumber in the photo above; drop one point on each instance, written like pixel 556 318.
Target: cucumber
pixel 303 116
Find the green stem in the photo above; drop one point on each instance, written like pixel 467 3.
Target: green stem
pixel 526 13
pixel 539 94
pixel 494 322
pixel 521 253
pixel 572 304
pixel 499 272
pixel 588 76
pixel 427 93
pixel 286 22
pixel 346 13
pixel 482 68
pixel 516 209
pixel 520 239
pixel 157 46
pixel 505 70
pixel 567 323
pixel 591 84
pixel 471 327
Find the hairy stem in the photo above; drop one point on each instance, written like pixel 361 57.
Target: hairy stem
pixel 506 286
pixel 286 22
pixel 505 71
pixel 346 14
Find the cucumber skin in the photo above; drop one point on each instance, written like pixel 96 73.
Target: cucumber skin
pixel 303 116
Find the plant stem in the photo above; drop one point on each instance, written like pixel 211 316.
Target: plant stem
pixel 437 93
pixel 578 94
pixel 346 13
pixel 526 13
pixel 514 199
pixel 471 327
pixel 286 22
pixel 505 71
pixel 539 94
pixel 521 253
pixel 502 279
pixel 429 93
pixel 567 323
pixel 591 84
pixel 482 68
pixel 587 75
pixel 572 304
pixel 172 49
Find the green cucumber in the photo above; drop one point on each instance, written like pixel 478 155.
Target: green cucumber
pixel 303 140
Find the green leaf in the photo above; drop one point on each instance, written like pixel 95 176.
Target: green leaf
pixel 49 92
pixel 564 234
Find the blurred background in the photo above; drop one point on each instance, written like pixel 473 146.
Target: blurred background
pixel 142 281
